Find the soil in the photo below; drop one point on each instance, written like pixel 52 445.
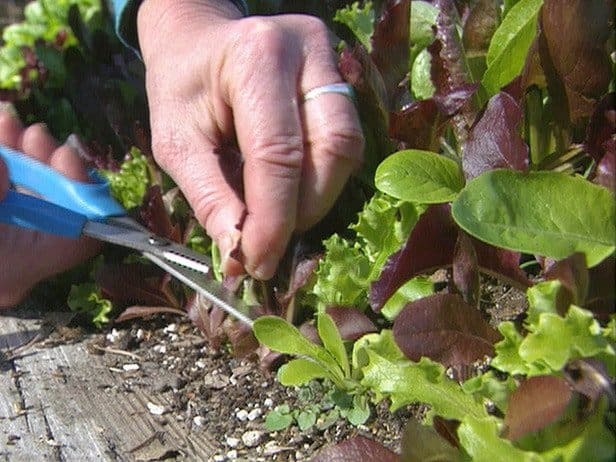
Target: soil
pixel 214 392
pixel 229 398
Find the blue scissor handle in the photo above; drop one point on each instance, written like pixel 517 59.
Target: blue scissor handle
pixel 30 212
pixel 75 202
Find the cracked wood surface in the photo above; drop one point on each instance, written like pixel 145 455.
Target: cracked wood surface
pixel 62 403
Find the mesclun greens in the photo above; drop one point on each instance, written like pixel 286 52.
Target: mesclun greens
pixel 485 149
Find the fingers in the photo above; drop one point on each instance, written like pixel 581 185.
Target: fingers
pixel 10 130
pixel 333 138
pixel 193 161
pixel 269 134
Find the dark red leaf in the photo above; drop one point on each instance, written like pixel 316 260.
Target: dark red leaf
pixel 300 276
pixel 390 47
pixel 576 63
pixel 430 246
pixel 207 318
pixel 421 443
pixel 573 275
pixel 351 322
pixel 155 217
pixel 535 404
pixel 421 124
pixel 453 68
pixel 601 296
pixel 309 330
pixel 133 312
pixel 479 27
pixel 501 263
pixel 465 269
pixel 418 125
pixel 231 165
pixel 356 449
pixel 243 342
pixel 451 102
pixel 445 329
pixel 605 175
pixel 601 128
pixel 494 141
pixel 134 283
pixel 449 68
pixel 357 68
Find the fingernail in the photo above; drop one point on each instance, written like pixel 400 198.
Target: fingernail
pixel 227 243
pixel 265 270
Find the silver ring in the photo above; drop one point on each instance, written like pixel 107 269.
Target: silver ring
pixel 344 89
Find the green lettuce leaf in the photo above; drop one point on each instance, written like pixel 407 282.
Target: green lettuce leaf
pixel 129 185
pixel 360 20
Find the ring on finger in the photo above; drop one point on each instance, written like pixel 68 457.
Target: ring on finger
pixel 344 89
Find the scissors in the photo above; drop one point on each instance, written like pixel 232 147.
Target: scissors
pixel 72 209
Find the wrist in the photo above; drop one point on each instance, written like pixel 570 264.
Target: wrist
pixel 157 17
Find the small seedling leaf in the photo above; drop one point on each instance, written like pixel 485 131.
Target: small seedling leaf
pixel 300 371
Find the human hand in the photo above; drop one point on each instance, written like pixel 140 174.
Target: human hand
pixel 27 257
pixel 213 77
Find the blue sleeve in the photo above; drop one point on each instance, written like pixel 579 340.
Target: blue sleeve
pixel 124 14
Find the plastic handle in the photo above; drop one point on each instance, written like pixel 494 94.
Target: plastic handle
pixel 91 200
pixel 30 212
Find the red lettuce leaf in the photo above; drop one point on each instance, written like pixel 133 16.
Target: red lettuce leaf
pixel 601 296
pixel 356 449
pixel 155 217
pixel 430 246
pixel 351 323
pixel 133 312
pixel 479 27
pixel 135 283
pixel 494 141
pixel 444 328
pixel 421 124
pixel 573 275
pixel 390 47
pixel 576 63
pixel 535 404
pixel 501 263
pixel 601 128
pixel 357 68
pixel 605 175
pixel 465 269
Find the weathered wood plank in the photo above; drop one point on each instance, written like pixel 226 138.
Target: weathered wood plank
pixel 61 403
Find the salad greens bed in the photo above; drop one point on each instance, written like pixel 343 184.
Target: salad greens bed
pixel 490 150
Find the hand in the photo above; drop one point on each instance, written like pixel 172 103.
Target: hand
pixel 213 77
pixel 27 257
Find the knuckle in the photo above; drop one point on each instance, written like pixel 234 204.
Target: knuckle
pixel 282 152
pixel 267 37
pixel 346 143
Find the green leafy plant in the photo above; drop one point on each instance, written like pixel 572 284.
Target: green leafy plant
pixel 487 154
pixel 329 361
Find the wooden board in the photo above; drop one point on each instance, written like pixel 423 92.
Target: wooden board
pixel 62 403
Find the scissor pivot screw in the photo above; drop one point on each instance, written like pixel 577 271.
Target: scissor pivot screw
pixel 158 241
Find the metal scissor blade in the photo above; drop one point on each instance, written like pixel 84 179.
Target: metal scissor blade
pixel 211 289
pixel 128 233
